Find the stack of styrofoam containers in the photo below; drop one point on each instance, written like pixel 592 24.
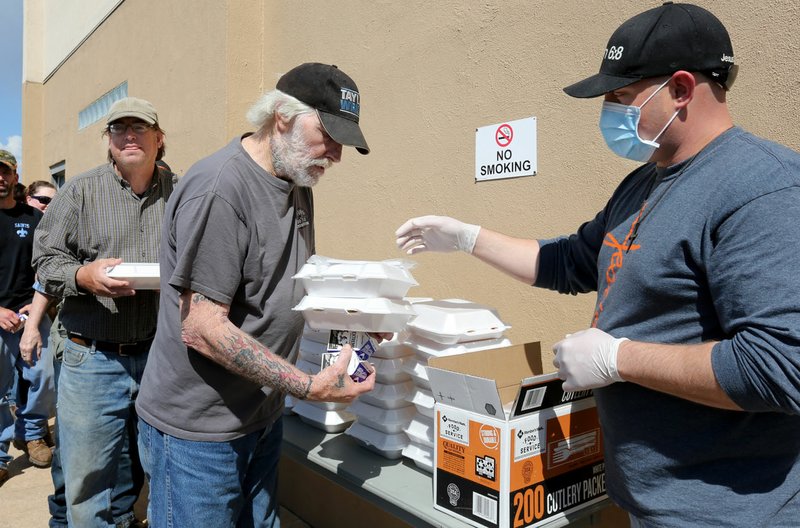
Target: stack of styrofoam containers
pixel 312 344
pixel 331 417
pixel 442 328
pixel 383 413
pixel 363 296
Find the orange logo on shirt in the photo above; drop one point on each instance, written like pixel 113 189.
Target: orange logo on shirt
pixel 617 260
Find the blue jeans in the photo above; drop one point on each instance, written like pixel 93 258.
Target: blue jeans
pixel 125 492
pixel 35 396
pixel 212 483
pixel 12 392
pixel 97 433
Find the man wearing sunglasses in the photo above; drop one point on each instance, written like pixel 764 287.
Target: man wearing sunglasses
pixel 239 226
pixel 99 219
pixel 35 388
pixel 694 350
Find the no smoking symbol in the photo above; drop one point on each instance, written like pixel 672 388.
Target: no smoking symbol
pixel 504 135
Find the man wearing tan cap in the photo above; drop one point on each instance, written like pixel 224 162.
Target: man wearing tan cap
pixel 35 390
pixel 100 219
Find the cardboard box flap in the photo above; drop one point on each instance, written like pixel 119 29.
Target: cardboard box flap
pixel 483 382
pixel 467 392
pixel 508 365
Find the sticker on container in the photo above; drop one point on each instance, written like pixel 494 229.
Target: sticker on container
pixel 454 426
pixel 529 441
pixel 339 338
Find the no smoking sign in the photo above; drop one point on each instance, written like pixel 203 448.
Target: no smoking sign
pixel 506 150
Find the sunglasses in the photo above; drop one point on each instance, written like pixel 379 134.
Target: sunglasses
pixel 44 200
pixel 725 75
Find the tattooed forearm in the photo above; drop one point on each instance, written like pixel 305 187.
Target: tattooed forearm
pixel 207 329
pixel 251 360
pixel 308 388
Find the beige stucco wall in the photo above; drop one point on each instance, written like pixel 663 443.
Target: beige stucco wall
pixel 66 24
pixel 429 73
pixel 168 53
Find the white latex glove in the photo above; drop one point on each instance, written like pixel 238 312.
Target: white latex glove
pixel 436 233
pixel 587 360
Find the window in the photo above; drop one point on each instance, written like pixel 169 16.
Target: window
pixel 58 174
pixel 99 108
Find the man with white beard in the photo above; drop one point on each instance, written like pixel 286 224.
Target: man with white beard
pixel 239 225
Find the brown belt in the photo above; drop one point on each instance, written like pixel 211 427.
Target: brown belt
pixel 123 349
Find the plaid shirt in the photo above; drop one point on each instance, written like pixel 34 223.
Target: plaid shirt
pixel 97 215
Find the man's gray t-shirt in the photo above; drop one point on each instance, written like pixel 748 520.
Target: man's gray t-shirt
pixel 236 234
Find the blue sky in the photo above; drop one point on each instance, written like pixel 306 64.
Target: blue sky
pixel 11 77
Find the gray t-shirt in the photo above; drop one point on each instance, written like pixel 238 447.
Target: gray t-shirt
pixel 236 234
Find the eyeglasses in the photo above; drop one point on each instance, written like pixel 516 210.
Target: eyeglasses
pixel 121 128
pixel 44 200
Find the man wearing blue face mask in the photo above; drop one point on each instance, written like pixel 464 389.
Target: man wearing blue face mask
pixel 694 347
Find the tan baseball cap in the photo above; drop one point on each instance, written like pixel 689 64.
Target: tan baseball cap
pixel 133 107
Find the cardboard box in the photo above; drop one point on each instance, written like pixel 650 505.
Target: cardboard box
pixel 511 448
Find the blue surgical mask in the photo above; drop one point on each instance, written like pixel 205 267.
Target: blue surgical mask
pixel 619 125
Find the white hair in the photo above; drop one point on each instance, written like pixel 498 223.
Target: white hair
pixel 262 113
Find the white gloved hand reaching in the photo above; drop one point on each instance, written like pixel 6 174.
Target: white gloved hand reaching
pixel 436 233
pixel 587 360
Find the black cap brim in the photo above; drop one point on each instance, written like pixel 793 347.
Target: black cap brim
pixel 599 84
pixel 344 131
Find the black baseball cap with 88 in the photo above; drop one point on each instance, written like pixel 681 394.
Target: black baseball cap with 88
pixel 659 42
pixel 333 95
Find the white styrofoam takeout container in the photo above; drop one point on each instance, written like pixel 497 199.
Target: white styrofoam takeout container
pixel 421 455
pixel 418 371
pixel 389 370
pixel 420 430
pixel 375 314
pixel 426 349
pixel 390 421
pixel 329 406
pixel 140 275
pixel 327 277
pixel 387 445
pixel 328 421
pixel 311 351
pixel 394 348
pixel 317 336
pixel 423 400
pixel 389 395
pixel 453 321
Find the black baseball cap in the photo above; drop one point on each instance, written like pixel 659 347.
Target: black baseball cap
pixel 659 42
pixel 333 95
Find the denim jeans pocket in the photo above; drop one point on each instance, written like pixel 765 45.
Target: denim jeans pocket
pixel 75 354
